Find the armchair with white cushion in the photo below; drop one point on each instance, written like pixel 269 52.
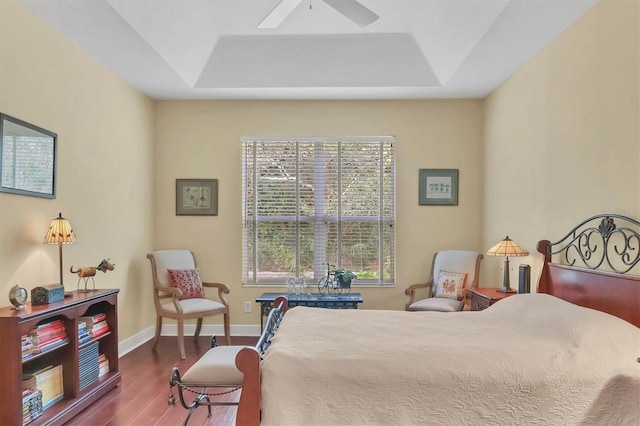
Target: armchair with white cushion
pixel 178 293
pixel 453 274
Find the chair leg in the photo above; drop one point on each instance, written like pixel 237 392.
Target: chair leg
pixel 226 328
pixel 198 328
pixel 158 328
pixel 181 338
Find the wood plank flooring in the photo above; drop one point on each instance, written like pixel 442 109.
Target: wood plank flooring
pixel 141 398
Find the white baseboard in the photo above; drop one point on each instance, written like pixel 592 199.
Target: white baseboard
pixel 127 345
pixel 147 334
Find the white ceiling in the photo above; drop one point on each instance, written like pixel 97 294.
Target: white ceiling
pixel 212 49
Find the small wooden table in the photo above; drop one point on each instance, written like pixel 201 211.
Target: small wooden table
pixel 482 298
pixel 316 300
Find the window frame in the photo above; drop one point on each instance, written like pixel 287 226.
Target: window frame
pixel 250 271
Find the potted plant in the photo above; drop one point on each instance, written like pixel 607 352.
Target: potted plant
pixel 344 277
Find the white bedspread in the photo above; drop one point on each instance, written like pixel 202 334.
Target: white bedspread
pixel 530 359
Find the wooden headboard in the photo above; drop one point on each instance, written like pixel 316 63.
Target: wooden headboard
pixel 593 264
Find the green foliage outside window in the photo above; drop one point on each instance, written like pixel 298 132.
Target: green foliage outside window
pixel 312 201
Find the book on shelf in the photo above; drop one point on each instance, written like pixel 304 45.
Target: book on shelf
pixel 49 325
pixel 49 381
pixel 26 346
pixel 93 319
pixel 88 367
pixel 83 334
pixel 52 401
pixel 46 334
pixel 84 339
pixel 31 405
pixel 103 365
pixel 96 324
pixel 51 345
pixel 26 341
pixel 100 331
pixel 28 383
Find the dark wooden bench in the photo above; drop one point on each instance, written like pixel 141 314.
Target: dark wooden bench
pixel 224 367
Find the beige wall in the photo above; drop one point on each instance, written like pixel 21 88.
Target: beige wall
pixel 104 173
pixel 557 142
pixel 202 140
pixel 562 135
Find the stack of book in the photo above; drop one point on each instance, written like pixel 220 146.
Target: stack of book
pixel 96 324
pixel 88 367
pixel 48 336
pixel 48 380
pixel 103 364
pixel 31 405
pixel 83 333
pixel 27 346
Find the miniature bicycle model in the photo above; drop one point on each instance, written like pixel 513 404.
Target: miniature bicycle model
pixel 331 284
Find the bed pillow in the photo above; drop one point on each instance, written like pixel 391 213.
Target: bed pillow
pixel 187 280
pixel 449 284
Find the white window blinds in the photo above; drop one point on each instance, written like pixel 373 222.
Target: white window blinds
pixel 22 164
pixel 308 201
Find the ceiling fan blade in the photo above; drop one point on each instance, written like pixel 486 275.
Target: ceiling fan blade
pixel 354 10
pixel 279 14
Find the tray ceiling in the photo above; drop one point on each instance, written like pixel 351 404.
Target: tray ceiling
pixel 213 49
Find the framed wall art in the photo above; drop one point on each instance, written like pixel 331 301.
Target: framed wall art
pixel 438 187
pixel 196 197
pixel 27 158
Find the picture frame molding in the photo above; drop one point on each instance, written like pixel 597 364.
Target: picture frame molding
pixel 44 185
pixel 187 205
pixel 439 199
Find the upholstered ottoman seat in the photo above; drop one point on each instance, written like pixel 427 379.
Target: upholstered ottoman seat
pixel 216 367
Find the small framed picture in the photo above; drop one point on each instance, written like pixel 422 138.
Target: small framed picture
pixel 438 187
pixel 196 197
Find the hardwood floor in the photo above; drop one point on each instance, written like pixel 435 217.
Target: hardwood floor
pixel 141 399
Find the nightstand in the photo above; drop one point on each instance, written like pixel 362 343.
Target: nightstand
pixel 482 298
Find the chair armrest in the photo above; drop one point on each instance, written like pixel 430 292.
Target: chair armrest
pixel 411 292
pixel 464 293
pixel 222 290
pixel 223 287
pixel 174 292
pixel 169 292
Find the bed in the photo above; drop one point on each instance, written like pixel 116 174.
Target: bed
pixel 565 355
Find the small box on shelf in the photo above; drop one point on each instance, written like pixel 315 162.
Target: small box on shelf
pixel 46 294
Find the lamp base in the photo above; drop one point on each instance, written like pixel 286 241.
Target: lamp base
pixel 506 287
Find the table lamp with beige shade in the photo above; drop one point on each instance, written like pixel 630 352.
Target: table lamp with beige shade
pixel 60 232
pixel 507 248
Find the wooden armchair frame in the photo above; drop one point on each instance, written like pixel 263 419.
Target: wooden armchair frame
pixel 162 290
pixel 464 294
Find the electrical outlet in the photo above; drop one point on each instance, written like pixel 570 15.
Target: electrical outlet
pixel 247 306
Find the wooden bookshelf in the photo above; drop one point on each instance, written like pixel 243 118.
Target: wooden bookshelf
pixel 15 323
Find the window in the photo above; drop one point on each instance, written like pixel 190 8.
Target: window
pixel 309 201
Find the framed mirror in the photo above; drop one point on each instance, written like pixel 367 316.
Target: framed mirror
pixel 27 158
